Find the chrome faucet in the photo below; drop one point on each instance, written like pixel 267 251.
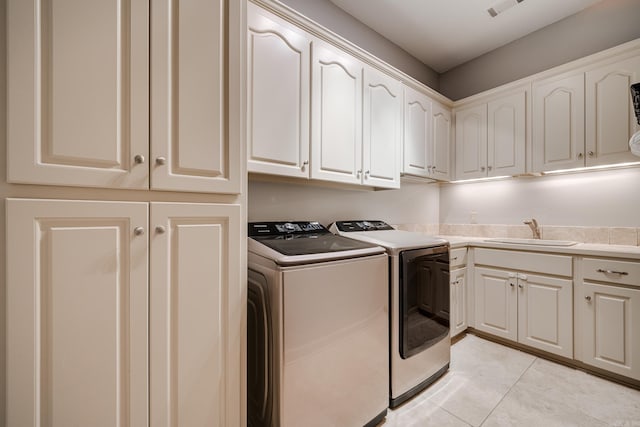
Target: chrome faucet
pixel 533 225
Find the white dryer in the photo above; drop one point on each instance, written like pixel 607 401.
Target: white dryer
pixel 318 329
pixel 419 346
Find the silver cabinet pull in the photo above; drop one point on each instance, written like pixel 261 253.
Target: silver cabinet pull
pixel 138 231
pixel 591 153
pixel 139 159
pixel 520 285
pixel 489 167
pixel 482 168
pixel 621 273
pixel 304 165
pixel 358 173
pixel 160 229
pixel 588 298
pixel 580 155
pixel 511 284
pixel 161 161
pixel 366 174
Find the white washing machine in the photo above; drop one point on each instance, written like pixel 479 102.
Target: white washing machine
pixel 419 346
pixel 318 330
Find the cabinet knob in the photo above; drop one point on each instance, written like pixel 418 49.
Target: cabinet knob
pixel 358 173
pixel 482 168
pixel 520 285
pixel 161 161
pixel 580 155
pixel 139 159
pixel 511 284
pixel 160 229
pixel 304 165
pixel 591 153
pixel 588 298
pixel 489 167
pixel 138 231
pixel 366 174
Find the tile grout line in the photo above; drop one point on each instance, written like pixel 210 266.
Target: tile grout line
pixel 508 391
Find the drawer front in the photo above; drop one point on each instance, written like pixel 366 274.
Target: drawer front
pixel 457 257
pixel 559 265
pixel 614 271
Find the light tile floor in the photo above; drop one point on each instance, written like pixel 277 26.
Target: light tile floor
pixel 491 385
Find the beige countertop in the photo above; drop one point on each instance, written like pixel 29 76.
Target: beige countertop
pixel 580 249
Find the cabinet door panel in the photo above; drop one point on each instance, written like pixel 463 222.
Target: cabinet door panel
pixel 610 116
pixel 558 124
pixel 611 316
pixel 545 314
pixel 506 135
pixel 336 131
pixel 496 303
pixel 190 99
pixel 76 313
pixel 278 96
pixel 382 130
pixel 77 91
pixel 196 335
pixel 417 133
pixel 471 142
pixel 458 301
pixel 441 127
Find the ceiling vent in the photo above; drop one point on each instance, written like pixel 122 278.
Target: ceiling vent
pixel 502 6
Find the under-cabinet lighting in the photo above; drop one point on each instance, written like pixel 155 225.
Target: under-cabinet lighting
pixel 490 178
pixel 592 168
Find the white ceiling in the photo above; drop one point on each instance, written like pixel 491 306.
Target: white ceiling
pixel 447 33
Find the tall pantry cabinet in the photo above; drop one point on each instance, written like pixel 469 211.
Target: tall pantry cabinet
pixel 125 305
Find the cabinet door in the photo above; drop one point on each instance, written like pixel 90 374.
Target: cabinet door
pixel 506 131
pixel 194 146
pixel 458 301
pixel 471 142
pixel 558 123
pixel 417 133
pixel 441 153
pixel 196 335
pixel 77 296
pixel 336 115
pixel 610 338
pixel 496 303
pixel 77 93
pixel 545 313
pixel 278 90
pixel 609 111
pixel 382 129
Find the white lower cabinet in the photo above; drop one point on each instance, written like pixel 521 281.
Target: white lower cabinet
pixel 532 309
pixel 91 341
pixel 458 294
pixel 608 309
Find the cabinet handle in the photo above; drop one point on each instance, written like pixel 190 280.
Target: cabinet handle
pixel 139 159
pixel 366 174
pixel 454 258
pixel 138 231
pixel 520 285
pixel 511 284
pixel 161 161
pixel 591 153
pixel 304 165
pixel 482 168
pixel 621 273
pixel 489 167
pixel 588 298
pixel 160 229
pixel 358 173
pixel 580 155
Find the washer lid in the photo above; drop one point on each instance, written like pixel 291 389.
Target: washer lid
pixel 302 242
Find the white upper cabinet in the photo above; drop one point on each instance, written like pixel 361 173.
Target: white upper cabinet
pixel 417 133
pixel 382 130
pixel 336 115
pixel 506 137
pixel 610 118
pixel 491 137
pixel 558 123
pixel 77 93
pixel 471 142
pixel 427 137
pixel 278 88
pixel 441 131
pixel 191 132
pixel 79 101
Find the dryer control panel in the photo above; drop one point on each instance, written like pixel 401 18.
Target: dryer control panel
pixel 362 225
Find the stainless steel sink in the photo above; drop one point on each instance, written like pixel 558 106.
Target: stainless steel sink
pixel 536 242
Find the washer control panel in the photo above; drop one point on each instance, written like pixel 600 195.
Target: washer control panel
pixel 362 225
pixel 283 228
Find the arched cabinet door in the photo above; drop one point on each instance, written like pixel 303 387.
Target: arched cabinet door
pixel 278 90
